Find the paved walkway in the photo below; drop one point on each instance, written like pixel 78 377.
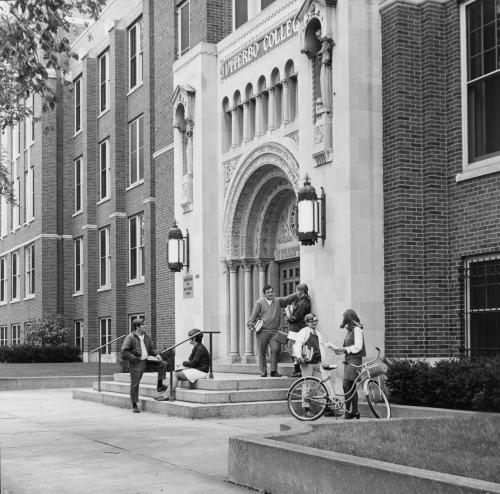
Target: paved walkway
pixel 57 369
pixel 50 443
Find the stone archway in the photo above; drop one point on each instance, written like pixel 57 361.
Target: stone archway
pixel 260 189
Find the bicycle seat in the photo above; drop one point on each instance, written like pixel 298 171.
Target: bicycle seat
pixel 329 367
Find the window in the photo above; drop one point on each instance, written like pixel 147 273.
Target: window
pixel 78 185
pixel 29 193
pixel 78 104
pixel 482 307
pixel 265 3
pixel 16 334
pixel 78 246
pixel 240 13
pixel 16 209
pixel 29 262
pixel 103 82
pixel 482 21
pixel 79 335
pixel 33 116
pixel 136 150
pixel 4 336
pixel 16 140
pixel 104 258
pixel 183 20
pixel 3 280
pixel 104 170
pixel 105 333
pixel 4 225
pixel 15 276
pixel 136 248
pixel 135 54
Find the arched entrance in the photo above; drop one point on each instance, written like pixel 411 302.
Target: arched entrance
pixel 259 234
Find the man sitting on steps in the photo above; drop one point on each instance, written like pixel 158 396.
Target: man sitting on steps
pixel 142 356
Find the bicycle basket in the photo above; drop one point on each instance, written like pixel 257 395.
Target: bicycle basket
pixel 376 368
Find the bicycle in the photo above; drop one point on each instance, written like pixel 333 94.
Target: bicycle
pixel 308 397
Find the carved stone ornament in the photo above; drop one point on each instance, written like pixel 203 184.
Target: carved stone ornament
pixel 229 167
pixel 319 134
pixel 184 95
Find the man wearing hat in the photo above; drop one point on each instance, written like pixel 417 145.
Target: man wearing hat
pixel 142 356
pixel 197 367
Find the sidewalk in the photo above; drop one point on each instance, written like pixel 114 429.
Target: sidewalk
pixel 50 443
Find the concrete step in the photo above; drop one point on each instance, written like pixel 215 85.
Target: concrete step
pixel 284 368
pixel 47 382
pixel 186 409
pixel 201 395
pixel 220 382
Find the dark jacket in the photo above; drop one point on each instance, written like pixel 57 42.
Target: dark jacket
pixel 131 348
pixel 301 308
pixel 199 359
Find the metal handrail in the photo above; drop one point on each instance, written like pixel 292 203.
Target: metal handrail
pixel 99 348
pixel 210 373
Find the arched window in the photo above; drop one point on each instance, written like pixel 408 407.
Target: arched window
pixel 291 80
pixel 250 113
pixel 262 89
pixel 278 91
pixel 238 107
pixel 226 125
pixel 180 125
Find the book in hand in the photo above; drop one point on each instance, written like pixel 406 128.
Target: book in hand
pixel 152 358
pixel 307 353
pixel 258 325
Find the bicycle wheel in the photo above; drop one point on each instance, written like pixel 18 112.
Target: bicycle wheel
pixel 377 400
pixel 307 399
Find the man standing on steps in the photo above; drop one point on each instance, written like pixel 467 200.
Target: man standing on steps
pixel 268 309
pixel 142 356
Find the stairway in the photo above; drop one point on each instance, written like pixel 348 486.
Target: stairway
pixel 228 394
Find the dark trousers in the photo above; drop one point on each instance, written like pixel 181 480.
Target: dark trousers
pixel 137 369
pixel 351 399
pixel 266 338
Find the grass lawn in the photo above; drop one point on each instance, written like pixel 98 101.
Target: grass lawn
pixel 468 446
pixel 56 369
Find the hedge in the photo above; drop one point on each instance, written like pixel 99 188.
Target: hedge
pixel 22 354
pixel 460 384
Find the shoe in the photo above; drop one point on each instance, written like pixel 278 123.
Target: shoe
pixel 264 374
pixel 308 413
pixel 275 374
pixel 135 408
pixel 163 397
pixel 296 374
pixel 161 388
pixel 350 416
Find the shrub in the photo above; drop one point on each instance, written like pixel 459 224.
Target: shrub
pixel 48 330
pixel 461 384
pixel 22 354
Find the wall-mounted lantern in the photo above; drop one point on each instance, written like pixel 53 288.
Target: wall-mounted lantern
pixel 178 249
pixel 311 214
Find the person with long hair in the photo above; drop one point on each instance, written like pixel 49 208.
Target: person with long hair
pixel 354 350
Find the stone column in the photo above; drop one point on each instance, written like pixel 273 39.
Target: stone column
pixel 247 265
pixel 258 115
pixel 285 101
pixel 246 121
pixel 262 265
pixel 234 127
pixel 271 117
pixel 233 307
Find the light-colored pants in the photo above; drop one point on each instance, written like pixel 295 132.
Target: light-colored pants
pixel 315 370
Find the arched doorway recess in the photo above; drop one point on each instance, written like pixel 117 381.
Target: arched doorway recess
pixel 259 218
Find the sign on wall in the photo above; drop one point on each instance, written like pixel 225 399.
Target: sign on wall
pixel 255 50
pixel 188 286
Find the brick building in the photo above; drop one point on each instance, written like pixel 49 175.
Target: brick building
pixel 212 112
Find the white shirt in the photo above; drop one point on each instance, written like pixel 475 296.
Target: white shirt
pixel 302 337
pixel 144 352
pixel 358 341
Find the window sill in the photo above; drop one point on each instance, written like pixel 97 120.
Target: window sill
pixel 135 88
pixel 103 200
pixel 78 213
pixel 103 113
pixel 134 185
pixel 77 294
pixel 106 288
pixel 139 281
pixel 77 133
pixel 30 221
pixel 479 169
pixel 3 303
pixel 29 297
pixel 15 300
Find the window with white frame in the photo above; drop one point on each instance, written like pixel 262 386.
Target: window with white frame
pixel 79 335
pixel 183 24
pixel 136 150
pixel 30 193
pixel 16 141
pixel 4 336
pixel 104 258
pixel 33 117
pixel 78 253
pixel 105 334
pixel 104 82
pixel 482 91
pixel 4 226
pixel 78 104
pixel 3 279
pixel 78 185
pixel 136 248
pixel 244 10
pixel 15 276
pixel 482 305
pixel 16 209
pixel 135 54
pixel 16 334
pixel 29 263
pixel 104 170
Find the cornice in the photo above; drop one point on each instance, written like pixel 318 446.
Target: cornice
pixel 387 4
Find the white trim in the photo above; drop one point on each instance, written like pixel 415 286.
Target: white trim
pixel 135 88
pixel 103 200
pixel 78 213
pixel 149 199
pixel 138 281
pixel 163 150
pixel 15 300
pixel 29 297
pixel 134 185
pixel 118 215
pixel 107 110
pixel 77 294
pixel 77 133
pixel 479 169
pixel 104 288
pixel 386 4
pixel 89 227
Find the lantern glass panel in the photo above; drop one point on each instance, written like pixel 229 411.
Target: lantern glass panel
pixel 306 216
pixel 175 251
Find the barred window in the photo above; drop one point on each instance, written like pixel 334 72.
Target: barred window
pixel 135 54
pixel 105 329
